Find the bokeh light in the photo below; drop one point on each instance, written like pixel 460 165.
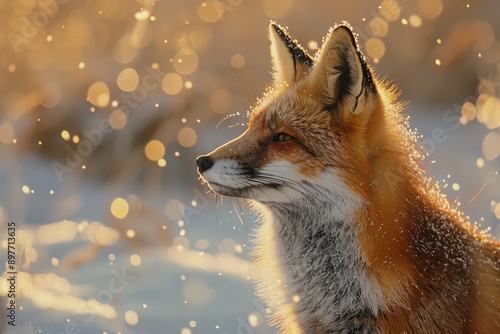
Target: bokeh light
pixel 186 137
pixel 491 146
pixel 390 10
pixel 375 48
pixel 131 318
pixel 210 11
pixel 185 63
pixel 98 94
pixel 118 119
pixel 128 79
pixel 379 27
pixel 155 150
pixel 237 61
pixel 430 9
pixel 119 208
pixel 172 83
pixel 59 232
pixel 135 260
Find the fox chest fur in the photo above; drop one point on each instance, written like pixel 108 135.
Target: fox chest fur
pixel 316 272
pixel 353 237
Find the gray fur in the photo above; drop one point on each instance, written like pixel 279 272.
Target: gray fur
pixel 321 262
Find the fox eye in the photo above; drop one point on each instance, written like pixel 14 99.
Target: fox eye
pixel 282 137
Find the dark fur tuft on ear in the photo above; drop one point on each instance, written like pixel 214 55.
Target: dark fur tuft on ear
pixel 341 70
pixel 290 61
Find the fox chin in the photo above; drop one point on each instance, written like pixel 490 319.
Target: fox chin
pixel 353 236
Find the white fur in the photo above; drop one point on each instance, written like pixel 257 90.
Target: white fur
pixel 307 245
pixel 317 256
pixel 282 59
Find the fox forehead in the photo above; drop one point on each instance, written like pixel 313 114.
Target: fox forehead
pixel 290 109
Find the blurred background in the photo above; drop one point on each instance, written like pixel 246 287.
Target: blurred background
pixel 105 105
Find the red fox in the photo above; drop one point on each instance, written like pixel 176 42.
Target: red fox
pixel 353 237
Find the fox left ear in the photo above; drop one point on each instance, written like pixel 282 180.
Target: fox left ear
pixel 340 76
pixel 290 61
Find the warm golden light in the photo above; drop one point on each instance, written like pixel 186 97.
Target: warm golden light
pixel 490 113
pixel 185 63
pixel 237 61
pixel 162 162
pixel 375 48
pixel 127 80
pixel 430 9
pixel 118 119
pixel 172 83
pixel 210 11
pixel 65 135
pixel 154 150
pixel 491 146
pixel 379 27
pixel 98 94
pixel 186 137
pixel 59 232
pixel 98 234
pixel 469 111
pixel 26 189
pixel 415 21
pixel 135 260
pixel 119 208
pixel 131 318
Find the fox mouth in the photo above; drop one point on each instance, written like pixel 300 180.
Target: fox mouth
pixel 244 192
pixel 224 190
pixel 247 191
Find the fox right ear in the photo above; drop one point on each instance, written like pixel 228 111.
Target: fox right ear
pixel 340 76
pixel 290 61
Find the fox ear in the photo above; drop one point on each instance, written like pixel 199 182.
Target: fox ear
pixel 340 75
pixel 290 61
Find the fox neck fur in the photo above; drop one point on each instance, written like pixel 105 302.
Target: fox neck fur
pixel 317 267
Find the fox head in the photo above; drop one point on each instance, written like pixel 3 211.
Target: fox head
pixel 320 130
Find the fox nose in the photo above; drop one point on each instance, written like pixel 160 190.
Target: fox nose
pixel 204 162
